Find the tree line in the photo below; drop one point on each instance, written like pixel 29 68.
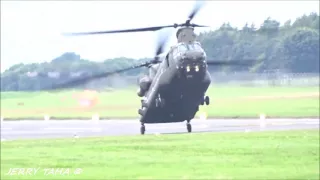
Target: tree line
pixel 291 47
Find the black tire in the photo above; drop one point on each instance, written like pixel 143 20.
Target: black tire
pixel 142 129
pixel 207 100
pixel 189 128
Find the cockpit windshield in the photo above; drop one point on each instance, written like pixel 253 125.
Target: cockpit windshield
pixel 195 46
pixel 187 47
pixel 182 48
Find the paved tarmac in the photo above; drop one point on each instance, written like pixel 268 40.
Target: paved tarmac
pixel 27 129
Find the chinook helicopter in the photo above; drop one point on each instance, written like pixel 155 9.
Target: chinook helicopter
pixel 177 82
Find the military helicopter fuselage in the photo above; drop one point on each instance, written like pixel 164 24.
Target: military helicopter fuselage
pixel 175 87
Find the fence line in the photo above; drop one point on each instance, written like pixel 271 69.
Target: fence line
pixel 267 79
pixel 220 78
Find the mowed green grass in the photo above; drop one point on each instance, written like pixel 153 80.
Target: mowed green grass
pixel 253 155
pixel 226 101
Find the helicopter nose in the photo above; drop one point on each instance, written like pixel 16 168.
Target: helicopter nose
pixel 192 62
pixel 189 68
pixel 192 67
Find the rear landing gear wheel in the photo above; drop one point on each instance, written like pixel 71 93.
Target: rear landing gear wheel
pixel 189 127
pixel 207 100
pixel 142 129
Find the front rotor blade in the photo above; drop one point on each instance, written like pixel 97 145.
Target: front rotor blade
pixel 197 25
pixel 236 63
pixel 156 28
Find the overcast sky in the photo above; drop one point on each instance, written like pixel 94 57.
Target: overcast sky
pixel 31 30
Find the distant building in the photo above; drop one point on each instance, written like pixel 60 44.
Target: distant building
pixel 76 74
pixel 53 74
pixel 32 74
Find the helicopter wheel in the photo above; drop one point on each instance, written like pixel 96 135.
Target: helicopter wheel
pixel 189 127
pixel 142 129
pixel 207 100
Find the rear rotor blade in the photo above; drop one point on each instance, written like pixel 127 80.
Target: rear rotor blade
pixel 159 50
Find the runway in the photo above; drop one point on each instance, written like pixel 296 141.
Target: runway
pixel 25 129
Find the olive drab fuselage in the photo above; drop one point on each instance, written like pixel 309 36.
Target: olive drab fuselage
pixel 180 79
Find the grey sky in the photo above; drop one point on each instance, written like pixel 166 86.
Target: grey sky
pixel 31 30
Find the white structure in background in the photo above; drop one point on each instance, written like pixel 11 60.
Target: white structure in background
pixel 76 74
pixel 262 120
pixel 53 74
pixel 95 117
pixel 46 117
pixel 32 74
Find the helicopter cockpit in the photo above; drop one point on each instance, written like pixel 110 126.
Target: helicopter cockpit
pixel 194 46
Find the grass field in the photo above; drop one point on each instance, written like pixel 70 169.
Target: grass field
pixel 254 155
pixel 225 102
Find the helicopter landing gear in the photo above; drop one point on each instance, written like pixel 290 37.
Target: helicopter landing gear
pixel 189 127
pixel 142 129
pixel 206 100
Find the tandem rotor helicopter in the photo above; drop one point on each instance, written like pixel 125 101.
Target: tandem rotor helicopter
pixel 177 82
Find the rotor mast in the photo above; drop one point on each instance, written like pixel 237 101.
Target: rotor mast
pixel 186 33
